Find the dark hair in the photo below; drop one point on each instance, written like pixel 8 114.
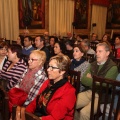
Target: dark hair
pixel 22 39
pixel 80 48
pixel 16 48
pixel 69 42
pixel 55 38
pixel 29 38
pixel 3 44
pixel 62 46
pixel 42 38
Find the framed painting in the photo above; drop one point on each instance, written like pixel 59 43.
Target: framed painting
pixel 113 15
pixel 81 14
pixel 31 14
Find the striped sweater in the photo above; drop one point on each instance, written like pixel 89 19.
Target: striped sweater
pixel 14 74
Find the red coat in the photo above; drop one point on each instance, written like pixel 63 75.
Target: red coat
pixel 61 105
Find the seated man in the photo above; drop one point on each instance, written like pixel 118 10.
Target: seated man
pixel 102 67
pixel 28 46
pixel 85 44
pixel 40 45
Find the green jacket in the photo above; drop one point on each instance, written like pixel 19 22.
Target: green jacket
pixel 107 70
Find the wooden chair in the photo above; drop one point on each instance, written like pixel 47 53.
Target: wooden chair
pixel 74 79
pixel 90 58
pixel 117 61
pixel 107 95
pixel 4 104
pixel 28 116
pixel 93 45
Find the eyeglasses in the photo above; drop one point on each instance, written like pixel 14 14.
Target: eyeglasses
pixel 31 60
pixel 52 67
pixel 3 49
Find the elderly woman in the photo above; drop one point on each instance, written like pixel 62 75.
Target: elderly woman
pixel 15 66
pixel 31 81
pixel 57 97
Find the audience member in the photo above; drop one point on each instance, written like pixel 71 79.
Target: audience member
pixel 57 97
pixel 47 43
pixel 15 66
pixel 78 62
pixel 26 32
pixel 85 44
pixel 94 38
pixel 59 48
pixel 69 35
pixel 105 37
pixel 3 53
pixel 78 39
pixel 69 48
pixel 117 46
pixel 53 39
pixel 27 46
pixel 20 40
pixel 117 42
pixel 46 34
pixel 31 81
pixel 102 67
pixel 40 45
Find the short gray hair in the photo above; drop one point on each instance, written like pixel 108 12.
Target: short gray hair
pixel 107 47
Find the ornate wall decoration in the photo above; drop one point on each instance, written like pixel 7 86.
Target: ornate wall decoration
pixel 31 14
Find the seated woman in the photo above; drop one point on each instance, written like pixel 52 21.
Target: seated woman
pixel 31 81
pixel 3 53
pixel 59 48
pixel 53 39
pixel 117 46
pixel 79 63
pixel 57 97
pixel 20 40
pixel 15 66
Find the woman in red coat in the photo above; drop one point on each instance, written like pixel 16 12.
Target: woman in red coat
pixel 56 99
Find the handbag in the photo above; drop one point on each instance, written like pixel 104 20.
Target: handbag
pixel 16 97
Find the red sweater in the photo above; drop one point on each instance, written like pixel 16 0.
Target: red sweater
pixel 61 105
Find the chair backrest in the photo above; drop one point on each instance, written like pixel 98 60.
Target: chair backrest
pixel 30 116
pixel 74 79
pixel 117 61
pixel 106 89
pixel 93 45
pixel 14 112
pixel 90 58
pixel 4 104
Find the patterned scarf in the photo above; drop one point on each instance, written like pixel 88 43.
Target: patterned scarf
pixel 28 80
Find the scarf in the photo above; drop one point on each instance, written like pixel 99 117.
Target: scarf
pixel 75 63
pixel 28 80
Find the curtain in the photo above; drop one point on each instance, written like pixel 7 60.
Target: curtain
pixel 61 16
pixel 99 17
pixel 9 27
